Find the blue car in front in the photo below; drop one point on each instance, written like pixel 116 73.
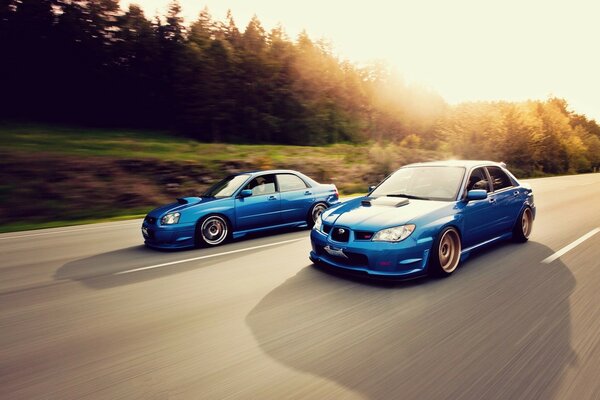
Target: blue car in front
pixel 423 219
pixel 237 205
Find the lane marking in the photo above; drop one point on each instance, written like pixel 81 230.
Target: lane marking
pixel 570 246
pixel 207 256
pixel 53 232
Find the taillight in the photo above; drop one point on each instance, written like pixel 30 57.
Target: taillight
pixel 337 194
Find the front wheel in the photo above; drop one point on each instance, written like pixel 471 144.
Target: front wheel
pixel 523 226
pixel 211 231
pixel 315 212
pixel 445 253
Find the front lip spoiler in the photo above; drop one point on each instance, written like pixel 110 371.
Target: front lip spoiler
pixel 364 273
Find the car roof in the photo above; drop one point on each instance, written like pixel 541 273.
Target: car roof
pixel 269 171
pixel 457 163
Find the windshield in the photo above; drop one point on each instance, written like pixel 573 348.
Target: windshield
pixel 227 186
pixel 428 183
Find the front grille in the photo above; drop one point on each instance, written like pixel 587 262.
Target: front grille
pixel 363 235
pixel 352 260
pixel 150 220
pixel 340 234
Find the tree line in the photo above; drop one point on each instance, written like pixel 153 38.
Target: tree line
pixel 89 62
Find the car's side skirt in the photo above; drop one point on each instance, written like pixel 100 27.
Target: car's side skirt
pixel 497 238
pixel 297 224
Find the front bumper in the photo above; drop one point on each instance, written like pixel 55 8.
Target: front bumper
pixel 403 260
pixel 168 237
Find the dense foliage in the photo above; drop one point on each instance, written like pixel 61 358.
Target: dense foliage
pixel 88 62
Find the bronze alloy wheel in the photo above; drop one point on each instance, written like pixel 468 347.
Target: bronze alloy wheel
pixel 214 230
pixel 449 251
pixel 526 222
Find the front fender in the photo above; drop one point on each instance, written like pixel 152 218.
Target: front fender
pixel 226 209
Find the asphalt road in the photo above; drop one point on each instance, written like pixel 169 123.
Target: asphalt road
pixel 89 313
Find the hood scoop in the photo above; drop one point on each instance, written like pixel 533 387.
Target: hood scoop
pixel 188 200
pixel 385 202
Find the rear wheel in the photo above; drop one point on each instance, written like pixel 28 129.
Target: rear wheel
pixel 315 212
pixel 445 253
pixel 523 227
pixel 211 231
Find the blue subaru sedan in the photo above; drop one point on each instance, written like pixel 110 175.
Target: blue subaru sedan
pixel 237 205
pixel 423 219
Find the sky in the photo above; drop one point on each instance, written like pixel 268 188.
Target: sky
pixel 465 50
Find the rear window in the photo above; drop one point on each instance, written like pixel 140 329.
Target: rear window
pixel 288 182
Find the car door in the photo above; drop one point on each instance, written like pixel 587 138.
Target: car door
pixel 261 209
pixel 507 200
pixel 479 215
pixel 296 198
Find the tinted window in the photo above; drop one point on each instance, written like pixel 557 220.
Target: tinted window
pixel 499 179
pixel 264 184
pixel 289 182
pixel 430 183
pixel 478 180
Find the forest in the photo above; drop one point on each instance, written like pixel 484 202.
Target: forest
pixel 91 63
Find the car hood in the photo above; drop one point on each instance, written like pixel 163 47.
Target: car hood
pixel 372 214
pixel 181 204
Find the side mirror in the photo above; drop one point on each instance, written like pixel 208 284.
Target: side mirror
pixel 477 194
pixel 371 188
pixel 246 193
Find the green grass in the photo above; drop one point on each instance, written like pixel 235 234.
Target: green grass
pixel 155 145
pixel 343 164
pixel 27 226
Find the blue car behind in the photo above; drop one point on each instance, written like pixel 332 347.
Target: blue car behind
pixel 237 205
pixel 423 219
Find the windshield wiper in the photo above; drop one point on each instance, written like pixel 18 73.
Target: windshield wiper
pixel 408 196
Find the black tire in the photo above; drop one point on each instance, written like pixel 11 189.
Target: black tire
pixel 315 211
pixel 212 230
pixel 523 226
pixel 445 253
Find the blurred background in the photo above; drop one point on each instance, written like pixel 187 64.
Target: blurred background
pixel 107 111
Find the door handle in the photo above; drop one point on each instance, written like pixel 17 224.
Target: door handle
pixel 492 200
pixel 307 192
pixel 516 193
pixel 272 198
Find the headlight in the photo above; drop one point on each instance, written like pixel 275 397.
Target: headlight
pixel 170 219
pixel 318 224
pixel 395 234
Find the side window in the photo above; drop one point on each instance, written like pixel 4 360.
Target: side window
pixel 262 185
pixel 289 182
pixel 478 180
pixel 499 179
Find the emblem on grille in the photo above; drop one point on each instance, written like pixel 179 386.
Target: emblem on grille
pixel 341 231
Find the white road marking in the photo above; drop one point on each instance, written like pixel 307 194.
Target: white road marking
pixel 571 246
pixel 55 232
pixel 207 256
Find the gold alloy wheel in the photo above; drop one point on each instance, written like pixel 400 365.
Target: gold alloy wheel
pixel 449 251
pixel 526 222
